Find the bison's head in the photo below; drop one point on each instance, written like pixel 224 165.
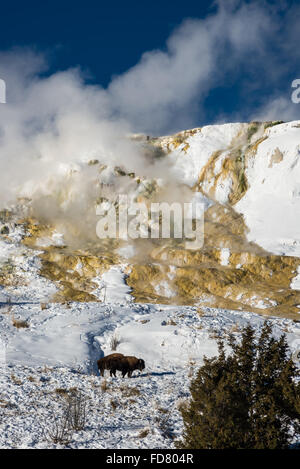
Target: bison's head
pixel 141 364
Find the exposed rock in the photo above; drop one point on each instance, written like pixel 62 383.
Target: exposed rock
pixel 229 271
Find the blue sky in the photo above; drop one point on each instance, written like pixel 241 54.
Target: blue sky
pixel 161 66
pixel 103 37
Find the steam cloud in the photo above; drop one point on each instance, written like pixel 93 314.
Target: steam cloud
pixel 51 123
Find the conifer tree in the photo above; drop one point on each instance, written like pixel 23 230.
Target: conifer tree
pixel 248 398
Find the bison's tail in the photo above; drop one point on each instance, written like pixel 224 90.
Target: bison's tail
pixel 101 367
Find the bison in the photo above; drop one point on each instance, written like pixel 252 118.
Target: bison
pixel 126 365
pixel 105 362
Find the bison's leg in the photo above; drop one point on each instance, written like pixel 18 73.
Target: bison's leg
pixel 113 372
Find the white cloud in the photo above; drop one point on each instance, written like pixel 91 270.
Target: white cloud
pixel 278 108
pixel 165 90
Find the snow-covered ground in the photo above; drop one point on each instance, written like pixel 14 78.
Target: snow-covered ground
pixel 271 206
pixel 59 349
pixel 212 138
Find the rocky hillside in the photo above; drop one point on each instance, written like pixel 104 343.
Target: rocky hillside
pixel 247 177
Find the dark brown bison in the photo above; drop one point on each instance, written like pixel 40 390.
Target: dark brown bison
pixel 126 365
pixel 105 362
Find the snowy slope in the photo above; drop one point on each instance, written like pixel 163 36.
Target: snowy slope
pixel 271 206
pixel 271 203
pixel 188 164
pixel 59 351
